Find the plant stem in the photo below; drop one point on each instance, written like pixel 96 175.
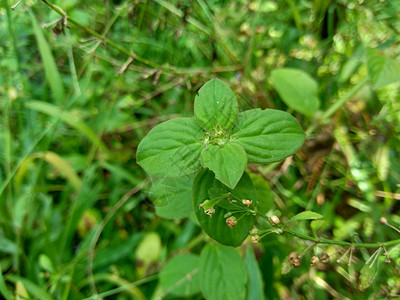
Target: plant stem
pixel 100 37
pixel 340 243
pixel 339 103
pixel 132 56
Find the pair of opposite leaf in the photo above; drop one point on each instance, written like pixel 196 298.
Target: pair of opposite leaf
pixel 219 138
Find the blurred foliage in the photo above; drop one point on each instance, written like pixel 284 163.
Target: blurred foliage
pixel 76 217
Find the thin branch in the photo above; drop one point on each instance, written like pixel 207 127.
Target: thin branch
pixel 340 243
pixel 103 223
pixel 133 56
pixel 100 37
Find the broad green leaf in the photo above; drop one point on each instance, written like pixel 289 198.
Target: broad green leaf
pixel 265 196
pixel 268 135
pixel 171 149
pixel 382 70
pixel 368 274
pixel 148 251
pixel 53 77
pixel 180 275
pixel 297 89
pixel 305 215
pixel 215 106
pixel 240 192
pixel 215 225
pixel 227 162
pixel 222 273
pixel 172 197
pixel 255 288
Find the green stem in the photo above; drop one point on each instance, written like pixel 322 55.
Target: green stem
pixel 133 56
pixel 350 94
pixel 340 243
pixel 100 37
pixel 339 103
pixel 295 14
pixel 210 203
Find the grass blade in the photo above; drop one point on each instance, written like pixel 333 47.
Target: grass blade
pixel 32 288
pixel 57 162
pixel 53 77
pixel 3 288
pixel 68 118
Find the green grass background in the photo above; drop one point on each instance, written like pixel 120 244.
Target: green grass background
pixel 75 215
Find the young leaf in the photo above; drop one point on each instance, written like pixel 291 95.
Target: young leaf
pixel 222 273
pixel 255 288
pixel 368 274
pixel 172 197
pixel 171 149
pixel 305 215
pixel 382 70
pixel 297 89
pixel 215 226
pixel 268 135
pixel 180 275
pixel 316 225
pixel 215 105
pixel 227 162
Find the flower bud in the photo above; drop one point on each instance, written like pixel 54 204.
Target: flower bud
pixel 314 260
pixel 227 215
pixel 231 221
pixel 255 239
pixel 274 220
pixel 209 212
pixel 293 256
pixel 324 258
pixel 296 263
pixel 208 206
pixel 383 221
pixel 247 202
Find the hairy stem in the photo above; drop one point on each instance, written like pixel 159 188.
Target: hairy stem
pixel 340 243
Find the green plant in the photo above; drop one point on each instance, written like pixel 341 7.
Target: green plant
pixel 217 145
pixel 82 82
